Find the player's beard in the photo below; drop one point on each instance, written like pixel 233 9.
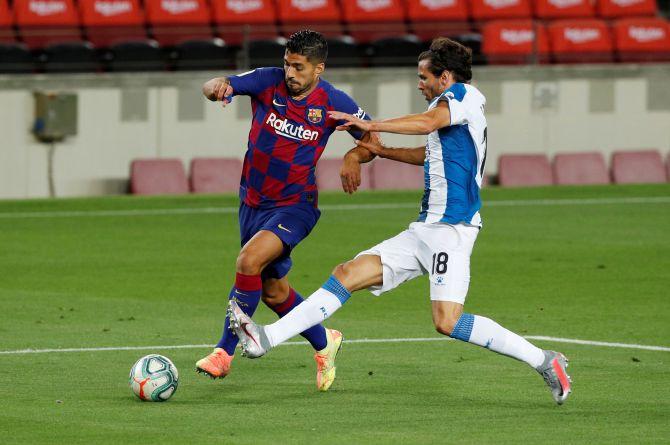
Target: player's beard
pixel 297 92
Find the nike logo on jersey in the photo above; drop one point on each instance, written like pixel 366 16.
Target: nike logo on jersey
pixel 284 228
pixel 274 101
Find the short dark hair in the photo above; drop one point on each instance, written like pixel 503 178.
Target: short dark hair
pixel 446 54
pixel 310 44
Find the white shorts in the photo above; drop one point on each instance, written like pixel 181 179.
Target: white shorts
pixel 441 250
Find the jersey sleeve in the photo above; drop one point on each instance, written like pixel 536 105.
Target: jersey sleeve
pixel 340 101
pixel 457 108
pixel 255 81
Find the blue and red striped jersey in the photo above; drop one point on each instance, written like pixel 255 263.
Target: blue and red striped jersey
pixel 287 137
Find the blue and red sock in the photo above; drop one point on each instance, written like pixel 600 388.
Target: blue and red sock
pixel 247 292
pixel 316 335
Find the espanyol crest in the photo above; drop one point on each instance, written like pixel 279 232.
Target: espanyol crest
pixel 314 115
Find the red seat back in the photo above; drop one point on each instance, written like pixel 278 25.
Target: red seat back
pixel 639 39
pixel 524 170
pixel 158 177
pixel 45 13
pixel 580 168
pixel 500 9
pixel 586 40
pixel 513 41
pixel 635 167
pixel 111 13
pixel 215 175
pixel 560 9
pixel 244 12
pixel 436 10
pixel 625 8
pixel 177 12
pixel 328 175
pixel 308 11
pixel 394 175
pixel 5 15
pixel 366 11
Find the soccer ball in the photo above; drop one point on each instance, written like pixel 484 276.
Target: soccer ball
pixel 154 378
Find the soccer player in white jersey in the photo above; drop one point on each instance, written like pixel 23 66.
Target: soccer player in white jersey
pixel 439 244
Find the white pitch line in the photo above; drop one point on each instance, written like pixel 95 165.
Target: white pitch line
pixel 358 340
pixel 345 207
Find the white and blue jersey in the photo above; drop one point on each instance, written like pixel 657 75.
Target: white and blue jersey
pixel 455 158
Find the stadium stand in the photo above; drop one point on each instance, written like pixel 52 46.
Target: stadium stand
pixel 563 9
pixel 7 34
pixel 396 51
pixel 388 174
pixel 436 18
pixel 240 20
pixel 15 58
pixel 328 175
pixel 610 9
pixel 513 42
pixel 343 51
pixel 580 169
pixel 324 15
pixel 42 22
pixel 70 57
pixel 267 52
pixel 643 39
pixel 637 167
pixel 209 54
pixel 483 10
pixel 215 175
pixel 107 22
pixel 175 21
pixel 158 177
pixel 580 41
pixel 524 170
pixel 369 20
pixel 141 55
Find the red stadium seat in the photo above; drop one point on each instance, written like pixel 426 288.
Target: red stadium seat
pixel 175 21
pixel 321 15
pixel 6 31
pixel 110 21
pixel 580 41
pixel 638 167
pixel 215 175
pixel 370 20
pixel 237 20
pixel 524 170
pixel 580 168
pixel 394 175
pixel 158 177
pixel 500 9
pixel 435 18
pixel 513 42
pixel 644 39
pixel 625 8
pixel 42 22
pixel 563 9
pixel 328 175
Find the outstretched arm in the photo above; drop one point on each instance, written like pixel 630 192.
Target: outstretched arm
pixel 351 166
pixel 218 89
pixel 414 156
pixel 422 123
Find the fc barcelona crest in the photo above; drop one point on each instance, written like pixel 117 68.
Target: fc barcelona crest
pixel 315 115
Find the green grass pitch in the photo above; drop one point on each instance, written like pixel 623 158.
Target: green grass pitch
pixel 129 274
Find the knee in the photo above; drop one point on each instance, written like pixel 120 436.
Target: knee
pixel 445 325
pixel 248 263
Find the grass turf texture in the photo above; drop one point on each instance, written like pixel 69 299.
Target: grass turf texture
pixel 597 272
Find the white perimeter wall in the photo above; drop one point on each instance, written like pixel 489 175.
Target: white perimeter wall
pixel 127 116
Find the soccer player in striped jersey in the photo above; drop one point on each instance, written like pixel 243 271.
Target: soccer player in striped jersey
pixel 278 193
pixel 440 242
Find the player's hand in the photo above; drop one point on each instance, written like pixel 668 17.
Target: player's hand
pixel 350 173
pixel 218 89
pixel 351 122
pixel 374 146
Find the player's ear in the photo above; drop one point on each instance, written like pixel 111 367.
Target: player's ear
pixel 319 68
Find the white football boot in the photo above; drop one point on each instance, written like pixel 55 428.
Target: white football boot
pixel 252 336
pixel 553 371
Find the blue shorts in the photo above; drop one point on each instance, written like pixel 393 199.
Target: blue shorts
pixel 291 224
